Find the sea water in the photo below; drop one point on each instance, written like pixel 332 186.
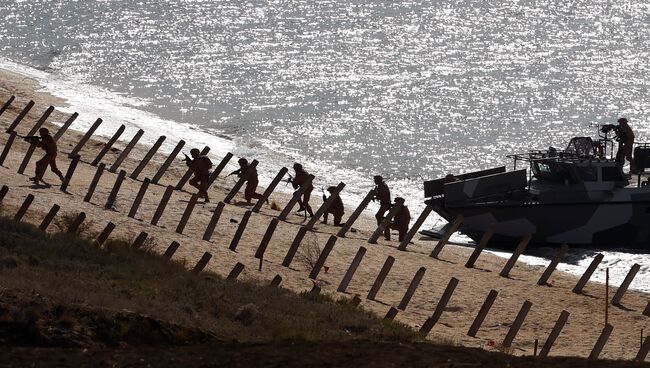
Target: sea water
pixel 411 90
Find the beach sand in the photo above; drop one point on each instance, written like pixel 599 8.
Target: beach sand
pixel 584 325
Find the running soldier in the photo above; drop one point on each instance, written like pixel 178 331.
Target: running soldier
pixel 381 193
pixel 47 144
pixel 200 166
pixel 252 180
pixel 298 181
pixel 400 222
pixel 336 209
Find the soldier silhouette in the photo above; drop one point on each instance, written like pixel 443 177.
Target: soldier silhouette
pixel 381 193
pixel 400 222
pixel 625 144
pixel 336 209
pixel 252 180
pixel 47 144
pixel 298 182
pixel 200 166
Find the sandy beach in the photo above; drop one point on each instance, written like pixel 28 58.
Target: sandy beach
pixel 584 325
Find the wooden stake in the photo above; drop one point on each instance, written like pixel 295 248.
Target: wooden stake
pixel 20 116
pixel 168 162
pixel 215 173
pixel 116 188
pixel 244 177
pixel 269 190
pixel 351 270
pixel 535 347
pixel 152 151
pixel 379 281
pixel 391 314
pixel 559 255
pixel 65 126
pixel 646 311
pixel 240 231
pixel 139 197
pixel 7 147
pixel 516 325
pixel 28 156
pixel 276 281
pixel 321 210
pixel 386 221
pixel 49 217
pixel 291 253
pixel 482 313
pixel 3 192
pixel 200 265
pixel 187 213
pixel 440 308
pixel 126 151
pixel 41 121
pixel 414 229
pixel 587 275
pixel 355 215
pixel 266 239
pixel 171 250
pixel 69 173
pixel 139 240
pixel 6 104
pixel 643 351
pixel 480 246
pixel 411 289
pixel 445 238
pixel 239 267
pixel 188 173
pixel 523 243
pixel 602 340
pixel 161 206
pixel 213 221
pixel 85 138
pixel 296 196
pixel 555 332
pixel 24 207
pixel 616 300
pixel 103 236
pixel 606 295
pixel 108 145
pixel 94 182
pixel 323 257
pixel 74 226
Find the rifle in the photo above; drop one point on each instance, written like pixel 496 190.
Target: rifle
pixel 289 180
pixel 234 173
pixel 30 138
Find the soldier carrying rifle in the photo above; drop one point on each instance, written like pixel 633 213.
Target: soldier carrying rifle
pixel 200 166
pixel 47 144
pixel 250 192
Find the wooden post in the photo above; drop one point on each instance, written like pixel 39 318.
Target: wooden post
pixel 587 275
pixel 386 221
pixel 28 156
pixel 188 173
pixel 351 270
pixel 516 325
pixel 69 173
pixel 322 258
pixel 296 196
pixel 440 308
pixel 187 213
pixel 482 313
pixel 269 190
pixel 480 246
pixel 321 210
pixel 200 265
pixel 315 289
pixel 103 236
pixel 555 332
pixel 411 289
pixel 24 207
pixel 139 240
pixel 391 314
pixel 108 145
pixel 616 300
pixel 152 151
pixel 7 147
pixel 276 281
pixel 602 340
pixel 355 215
pixel 116 188
pixel 74 226
pixel 215 173
pixel 239 267
pixel 41 121
pixel 213 221
pixel 94 182
pixel 445 238
pixel 294 246
pixel 6 104
pixel 3 192
pixel 171 250
pixel 85 138
pixel 646 311
pixel 139 197
pixel 244 177
pixel 20 116
pixel 240 231
pixel 414 229
pixel 126 151
pixel 161 206
pixel 559 255
pixel 356 300
pixel 65 126
pixel 161 171
pixel 49 217
pixel 266 239
pixel 643 351
pixel 523 243
pixel 607 295
pixel 379 281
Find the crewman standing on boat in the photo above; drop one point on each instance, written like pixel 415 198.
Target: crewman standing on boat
pixel 298 182
pixel 47 144
pixel 200 166
pixel 382 194
pixel 625 144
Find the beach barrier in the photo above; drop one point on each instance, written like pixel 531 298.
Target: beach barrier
pixel 587 275
pixel 391 314
pixel 646 311
pixel 213 221
pixel 145 160
pixel 108 145
pixel 259 254
pixel 276 281
pixel 139 197
pixel 65 126
pixel 355 215
pixel 555 332
pixel 215 173
pixel 381 277
pixel 20 116
pixel 126 151
pixel 482 313
pixel 68 175
pixel 323 257
pixel 415 282
pixel 5 106
pixel 41 121
pixel 243 178
pixel 616 300
pixel 49 217
pixel 435 253
pixel 24 207
pixel 170 159
pixel 559 255
pixel 240 231
pixel 356 261
pixel 602 340
pixel 270 189
pixel 291 253
pixel 521 247
pixel 399 203
pixel 85 138
pixel 94 182
pixel 162 205
pixel 516 325
pixel 74 226
pixel 471 261
pixel 188 174
pixel 643 351
pixel 139 240
pixel 7 147
pixel 173 247
pixel 116 188
pixel 440 308
pixel 236 271
pixel 414 229
pixel 32 146
pixel 187 213
pixel 325 206
pixel 3 192
pixel 356 300
pixel 315 289
pixel 200 265
pixel 295 198
pixel 103 236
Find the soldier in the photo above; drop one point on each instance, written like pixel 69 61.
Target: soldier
pixel 382 193
pixel 200 166
pixel 400 222
pixel 298 181
pixel 252 180
pixel 625 144
pixel 47 143
pixel 336 208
